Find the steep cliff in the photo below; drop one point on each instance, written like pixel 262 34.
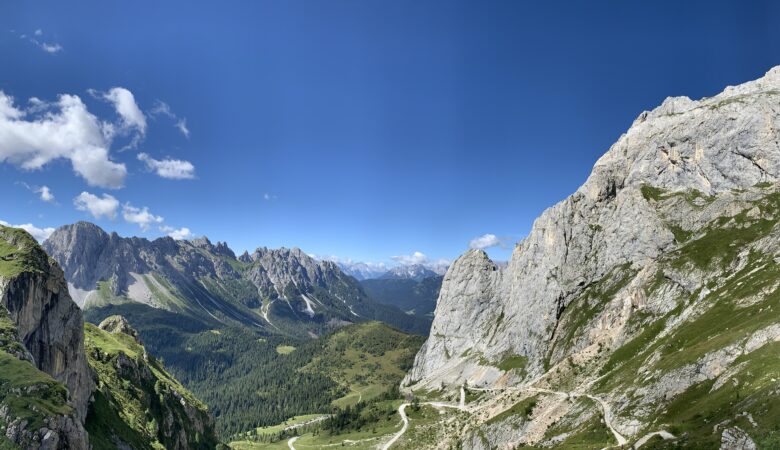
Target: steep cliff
pixel 651 289
pixel 46 381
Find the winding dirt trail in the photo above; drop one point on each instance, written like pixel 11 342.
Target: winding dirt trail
pixel 402 413
pixel 291 441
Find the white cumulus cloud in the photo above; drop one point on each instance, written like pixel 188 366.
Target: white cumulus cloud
pixel 485 241
pixel 139 216
pixel 125 105
pixel 40 234
pixel 45 193
pixel 65 129
pixel 178 234
pixel 174 169
pixel 105 206
pixel 414 258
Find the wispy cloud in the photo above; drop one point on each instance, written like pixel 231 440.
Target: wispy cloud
pixel 174 169
pixel 161 108
pixel 37 39
pixel 43 192
pixel 269 197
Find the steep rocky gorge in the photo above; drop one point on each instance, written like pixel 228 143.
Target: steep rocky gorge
pixel 675 230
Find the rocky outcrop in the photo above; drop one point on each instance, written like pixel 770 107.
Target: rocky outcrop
pixel 48 322
pixel 713 146
pixel 650 289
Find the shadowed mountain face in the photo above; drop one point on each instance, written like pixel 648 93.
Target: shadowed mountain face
pixel 416 297
pixel 279 290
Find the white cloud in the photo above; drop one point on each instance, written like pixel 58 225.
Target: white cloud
pixel 40 234
pixel 125 105
pixel 181 124
pixel 46 194
pixel 65 129
pixel 45 46
pixel 49 48
pixel 485 241
pixel 139 216
pixel 174 169
pixel 178 234
pixel 414 258
pixel 162 108
pixel 98 207
pixel 268 197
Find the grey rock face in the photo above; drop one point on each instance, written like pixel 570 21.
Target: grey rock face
pixel 714 145
pixel 50 326
pixel 735 438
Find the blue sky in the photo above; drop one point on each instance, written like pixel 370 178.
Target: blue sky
pixel 361 129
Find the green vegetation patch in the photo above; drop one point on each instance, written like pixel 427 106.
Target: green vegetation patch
pixel 524 409
pixel 19 253
pixel 513 362
pixel 284 349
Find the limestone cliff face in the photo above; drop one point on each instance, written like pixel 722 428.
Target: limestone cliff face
pixel 714 145
pixel 648 297
pixel 49 323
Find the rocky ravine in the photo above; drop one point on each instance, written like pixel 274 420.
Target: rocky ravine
pixel 675 230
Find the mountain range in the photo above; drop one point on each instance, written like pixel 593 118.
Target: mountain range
pixel 280 290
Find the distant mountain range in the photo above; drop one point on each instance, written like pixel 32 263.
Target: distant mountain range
pixel 279 290
pixel 366 271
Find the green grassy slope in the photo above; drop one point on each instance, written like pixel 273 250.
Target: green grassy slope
pixel 137 402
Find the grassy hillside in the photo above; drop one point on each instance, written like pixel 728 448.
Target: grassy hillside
pixel 137 402
pixel 365 359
